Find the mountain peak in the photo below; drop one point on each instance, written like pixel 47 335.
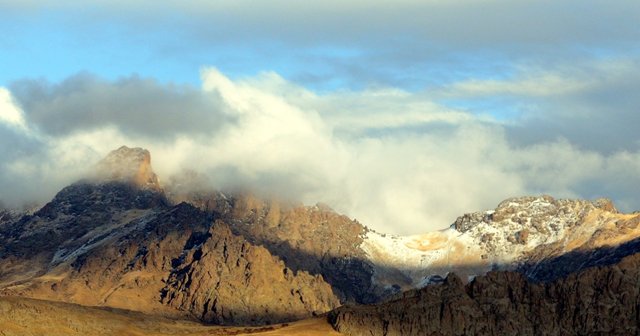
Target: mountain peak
pixel 132 165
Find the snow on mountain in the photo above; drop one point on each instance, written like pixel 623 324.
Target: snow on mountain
pixel 504 238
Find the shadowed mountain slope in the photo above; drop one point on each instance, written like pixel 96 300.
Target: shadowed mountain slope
pixel 597 301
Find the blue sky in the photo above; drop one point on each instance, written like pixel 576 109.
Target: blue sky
pixel 346 45
pixel 534 86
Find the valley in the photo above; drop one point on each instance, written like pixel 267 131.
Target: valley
pixel 25 317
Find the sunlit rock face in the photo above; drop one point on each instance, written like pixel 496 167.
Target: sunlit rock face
pixel 130 165
pixel 119 239
pixel 115 240
pixel 365 266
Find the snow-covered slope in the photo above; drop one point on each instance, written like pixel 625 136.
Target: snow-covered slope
pixel 519 230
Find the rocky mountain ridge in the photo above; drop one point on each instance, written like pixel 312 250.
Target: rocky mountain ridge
pixel 522 234
pixel 118 243
pixel 121 239
pixel 596 301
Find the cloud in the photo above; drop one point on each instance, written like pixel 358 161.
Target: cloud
pixel 592 104
pixel 452 22
pixel 134 105
pixel 354 44
pixel 398 161
pixel 10 115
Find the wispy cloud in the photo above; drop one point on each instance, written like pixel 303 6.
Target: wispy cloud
pixel 397 160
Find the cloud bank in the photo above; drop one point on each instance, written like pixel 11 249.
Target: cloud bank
pixel 398 161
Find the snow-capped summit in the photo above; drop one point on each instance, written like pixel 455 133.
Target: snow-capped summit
pixel 524 230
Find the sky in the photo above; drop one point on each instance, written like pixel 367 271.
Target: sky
pixel 402 114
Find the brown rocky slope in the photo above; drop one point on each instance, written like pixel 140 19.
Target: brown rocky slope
pixel 597 301
pixel 119 243
pixel 315 239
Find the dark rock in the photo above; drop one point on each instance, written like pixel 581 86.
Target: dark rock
pixel 597 301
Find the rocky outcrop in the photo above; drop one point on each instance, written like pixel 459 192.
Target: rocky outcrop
pixel 129 165
pixel 311 238
pixel 118 242
pixel 226 280
pixel 314 239
pixel 596 301
pixel 8 216
pixel 176 262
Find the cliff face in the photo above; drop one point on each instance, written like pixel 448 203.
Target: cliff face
pixel 596 301
pixel 129 165
pixel 314 239
pixel 119 243
pixel 543 237
pixel 225 279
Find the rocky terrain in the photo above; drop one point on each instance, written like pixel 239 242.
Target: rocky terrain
pixel 365 266
pixel 184 250
pixel 555 267
pixel 120 243
pixel 523 233
pixel 597 301
pixel 311 238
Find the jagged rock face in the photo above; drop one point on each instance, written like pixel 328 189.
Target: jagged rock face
pixel 130 165
pixel 315 239
pixel 310 238
pixel 114 240
pixel 75 211
pixel 8 216
pixel 227 280
pixel 597 301
pixel 173 262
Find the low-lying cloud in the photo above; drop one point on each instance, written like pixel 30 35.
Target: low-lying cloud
pixel 398 161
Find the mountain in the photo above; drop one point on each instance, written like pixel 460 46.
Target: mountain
pixel 596 301
pixel 364 266
pixel 522 234
pixel 553 267
pixel 120 238
pixel 115 240
pixel 311 238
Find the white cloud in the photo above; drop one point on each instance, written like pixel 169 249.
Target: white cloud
pixel 535 82
pixel 275 137
pixel 10 114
